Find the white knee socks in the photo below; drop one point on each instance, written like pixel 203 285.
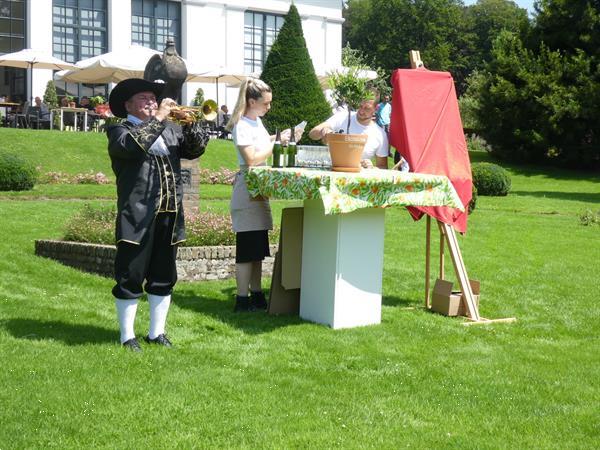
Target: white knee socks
pixel 126 310
pixel 159 307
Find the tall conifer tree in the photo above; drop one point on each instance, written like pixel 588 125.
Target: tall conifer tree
pixel 297 94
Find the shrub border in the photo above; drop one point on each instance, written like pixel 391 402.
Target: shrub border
pixel 193 263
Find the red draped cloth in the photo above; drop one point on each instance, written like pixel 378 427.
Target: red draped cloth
pixel 426 129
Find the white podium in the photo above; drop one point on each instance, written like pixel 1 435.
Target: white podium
pixel 342 266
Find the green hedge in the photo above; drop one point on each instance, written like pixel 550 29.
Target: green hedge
pixel 297 94
pixel 490 179
pixel 473 202
pixel 16 174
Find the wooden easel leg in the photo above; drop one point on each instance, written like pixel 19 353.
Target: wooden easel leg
pixel 484 321
pixel 461 270
pixel 442 268
pixel 427 261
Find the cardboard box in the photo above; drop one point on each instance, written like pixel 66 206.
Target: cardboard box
pixel 285 283
pixel 448 302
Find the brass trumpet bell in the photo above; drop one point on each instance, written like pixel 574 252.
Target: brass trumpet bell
pixel 209 110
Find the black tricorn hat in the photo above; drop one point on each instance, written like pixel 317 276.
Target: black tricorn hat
pixel 127 89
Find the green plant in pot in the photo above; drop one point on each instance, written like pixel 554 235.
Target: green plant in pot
pixel 350 90
pixel 97 100
pixel 71 101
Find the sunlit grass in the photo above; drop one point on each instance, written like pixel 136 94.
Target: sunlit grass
pixel 417 380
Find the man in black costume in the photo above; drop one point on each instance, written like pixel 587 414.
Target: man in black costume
pixel 145 152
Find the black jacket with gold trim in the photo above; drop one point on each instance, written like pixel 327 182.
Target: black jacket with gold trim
pixel 141 175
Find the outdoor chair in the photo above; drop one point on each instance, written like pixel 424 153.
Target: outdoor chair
pixel 210 127
pixel 20 116
pixel 34 118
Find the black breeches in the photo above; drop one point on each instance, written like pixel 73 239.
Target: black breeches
pixel 152 261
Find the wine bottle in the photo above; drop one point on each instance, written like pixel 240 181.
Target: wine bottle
pixel 291 150
pixel 277 150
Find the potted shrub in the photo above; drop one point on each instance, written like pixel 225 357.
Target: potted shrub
pixel 350 90
pixel 100 106
pixel 97 100
pixel 71 101
pixel 50 97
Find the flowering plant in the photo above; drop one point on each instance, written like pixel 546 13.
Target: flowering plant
pixel 97 225
pixel 80 178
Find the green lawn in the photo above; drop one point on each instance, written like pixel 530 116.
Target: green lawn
pixel 418 380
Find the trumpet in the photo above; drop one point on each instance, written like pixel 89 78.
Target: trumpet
pixel 186 115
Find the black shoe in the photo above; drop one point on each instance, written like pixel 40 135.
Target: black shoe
pixel 161 339
pixel 258 300
pixel 133 345
pixel 242 304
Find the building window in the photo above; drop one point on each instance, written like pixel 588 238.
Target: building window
pixel 12 26
pixel 260 31
pixel 79 29
pixel 12 39
pixel 79 32
pixel 153 21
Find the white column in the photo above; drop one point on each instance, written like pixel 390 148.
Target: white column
pixel 333 42
pixel 342 266
pixel 119 24
pixel 39 36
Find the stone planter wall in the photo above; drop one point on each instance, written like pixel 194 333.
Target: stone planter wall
pixel 193 263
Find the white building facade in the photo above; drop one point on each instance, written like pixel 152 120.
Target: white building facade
pixel 235 34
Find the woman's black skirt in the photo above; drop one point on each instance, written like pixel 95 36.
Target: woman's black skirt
pixel 251 246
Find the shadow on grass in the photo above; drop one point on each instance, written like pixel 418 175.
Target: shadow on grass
pixel 69 333
pixel 398 302
pixel 576 196
pixel 252 323
pixel 255 322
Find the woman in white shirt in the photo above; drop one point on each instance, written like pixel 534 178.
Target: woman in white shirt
pixel 250 217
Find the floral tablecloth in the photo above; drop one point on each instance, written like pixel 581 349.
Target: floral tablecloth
pixel 344 192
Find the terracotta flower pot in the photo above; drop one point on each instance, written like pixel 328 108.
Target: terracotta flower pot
pixel 345 151
pixel 102 110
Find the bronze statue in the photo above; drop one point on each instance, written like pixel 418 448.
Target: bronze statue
pixel 168 68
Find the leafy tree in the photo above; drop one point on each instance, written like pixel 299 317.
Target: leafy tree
pixel 297 94
pixel 487 18
pixel 569 25
pixel 388 29
pixel 450 36
pixel 538 107
pixel 50 97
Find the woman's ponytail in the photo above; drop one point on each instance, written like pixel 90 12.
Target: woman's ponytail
pixel 250 88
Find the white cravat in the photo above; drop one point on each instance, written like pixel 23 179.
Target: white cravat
pixel 159 148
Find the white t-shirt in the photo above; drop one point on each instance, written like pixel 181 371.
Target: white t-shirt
pixel 377 141
pixel 250 132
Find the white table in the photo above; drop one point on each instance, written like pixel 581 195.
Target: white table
pixel 343 233
pixel 342 266
pixel 75 112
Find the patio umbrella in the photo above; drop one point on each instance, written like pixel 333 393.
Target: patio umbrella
pixel 30 58
pixel 220 74
pixel 110 67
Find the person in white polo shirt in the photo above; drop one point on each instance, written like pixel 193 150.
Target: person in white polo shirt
pixel 361 122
